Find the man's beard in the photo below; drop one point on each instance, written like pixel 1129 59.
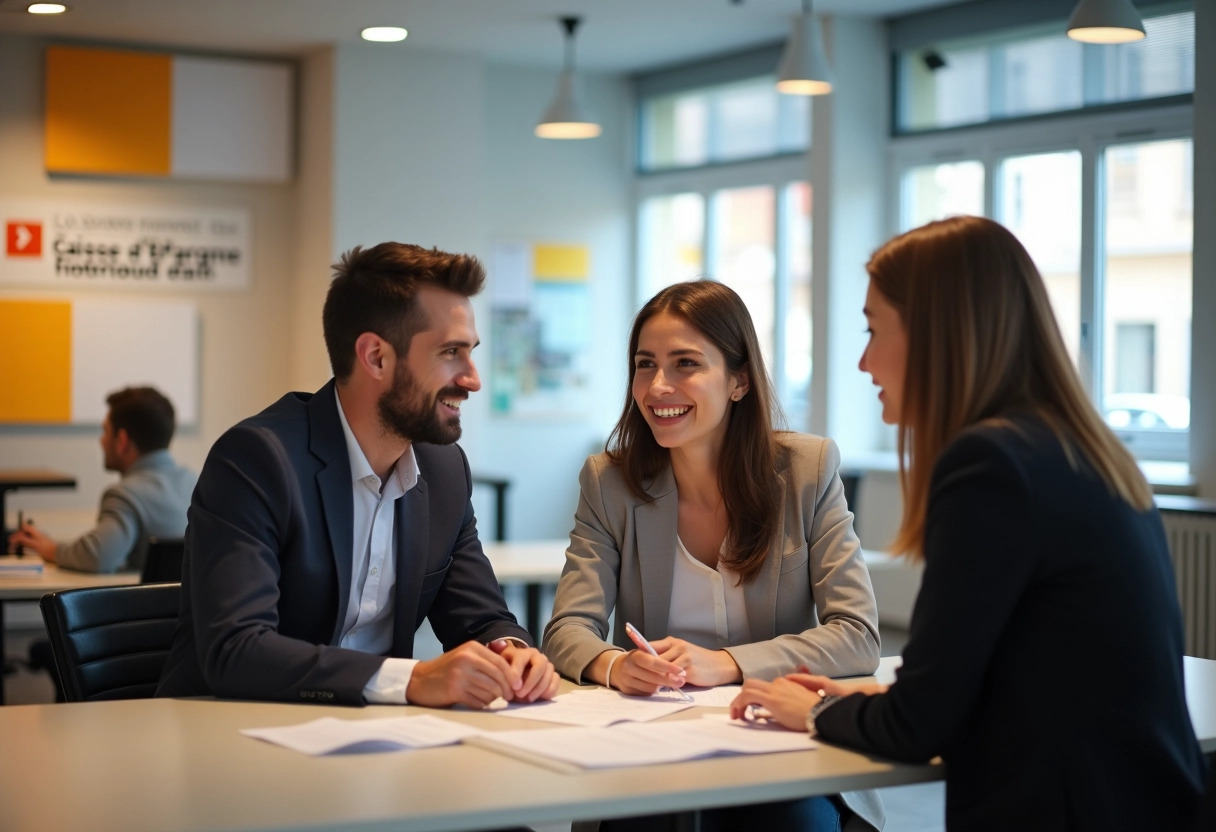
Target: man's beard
pixel 408 412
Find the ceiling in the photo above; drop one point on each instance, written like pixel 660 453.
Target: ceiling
pixel 616 35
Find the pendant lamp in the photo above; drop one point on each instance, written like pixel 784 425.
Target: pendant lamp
pixel 1105 21
pixel 566 117
pixel 804 68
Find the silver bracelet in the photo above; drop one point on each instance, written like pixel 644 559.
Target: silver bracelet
pixel 608 672
pixel 825 701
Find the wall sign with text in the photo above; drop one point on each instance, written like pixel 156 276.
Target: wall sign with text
pixel 71 246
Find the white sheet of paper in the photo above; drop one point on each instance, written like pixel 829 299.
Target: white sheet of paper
pixel 637 745
pixel 719 697
pixel 597 707
pixel 329 735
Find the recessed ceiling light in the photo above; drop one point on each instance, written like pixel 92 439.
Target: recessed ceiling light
pixel 46 8
pixel 384 34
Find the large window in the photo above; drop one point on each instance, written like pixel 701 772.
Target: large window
pixel 1007 126
pixel 1108 223
pixel 975 80
pixel 1146 261
pixel 1039 200
pixel 746 119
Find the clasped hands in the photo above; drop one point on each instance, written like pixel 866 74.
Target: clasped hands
pixel 679 663
pixel 476 674
pixel 788 699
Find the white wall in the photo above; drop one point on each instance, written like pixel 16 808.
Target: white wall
pixel 314 217
pixel 438 150
pixel 542 190
pixel 244 355
pixel 848 173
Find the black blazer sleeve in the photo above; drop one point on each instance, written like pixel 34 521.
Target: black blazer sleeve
pixel 977 565
pixel 460 594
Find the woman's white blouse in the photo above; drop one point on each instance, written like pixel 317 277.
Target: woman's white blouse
pixel 707 605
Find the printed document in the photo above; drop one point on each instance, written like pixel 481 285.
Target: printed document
pixel 596 707
pixel 329 735
pixel 639 745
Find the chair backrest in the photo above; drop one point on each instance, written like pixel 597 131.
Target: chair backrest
pixel 163 561
pixel 111 642
pixel 852 482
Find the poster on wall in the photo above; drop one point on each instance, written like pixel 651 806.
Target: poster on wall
pixel 73 246
pixel 59 359
pixel 540 321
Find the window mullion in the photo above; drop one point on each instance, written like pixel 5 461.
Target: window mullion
pixel 1092 243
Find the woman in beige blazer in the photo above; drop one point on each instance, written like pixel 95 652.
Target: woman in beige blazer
pixel 727 543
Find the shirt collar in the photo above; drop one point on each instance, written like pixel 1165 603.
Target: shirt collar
pixel 152 459
pixel 406 469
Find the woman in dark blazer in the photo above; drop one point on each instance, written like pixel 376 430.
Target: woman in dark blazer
pixel 1044 663
pixel 727 543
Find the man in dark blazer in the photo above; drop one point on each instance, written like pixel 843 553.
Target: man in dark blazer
pixel 326 528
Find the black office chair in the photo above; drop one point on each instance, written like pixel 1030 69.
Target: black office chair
pixel 851 481
pixel 111 642
pixel 163 561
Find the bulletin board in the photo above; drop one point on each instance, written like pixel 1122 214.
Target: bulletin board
pixel 540 318
pixel 59 359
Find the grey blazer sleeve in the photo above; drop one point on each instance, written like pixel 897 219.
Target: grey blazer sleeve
pixel 105 547
pixel 587 591
pixel 812 603
pixel 826 616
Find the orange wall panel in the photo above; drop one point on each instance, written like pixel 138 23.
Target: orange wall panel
pixel 35 362
pixel 108 111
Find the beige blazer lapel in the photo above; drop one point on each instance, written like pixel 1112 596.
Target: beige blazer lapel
pixel 760 595
pixel 654 546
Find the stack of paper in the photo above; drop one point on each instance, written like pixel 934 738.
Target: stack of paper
pixel 596 707
pixel 650 744
pixel 329 735
pixel 13 565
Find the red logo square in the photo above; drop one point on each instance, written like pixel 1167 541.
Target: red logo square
pixel 23 238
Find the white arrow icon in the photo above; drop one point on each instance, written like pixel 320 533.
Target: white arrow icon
pixel 23 237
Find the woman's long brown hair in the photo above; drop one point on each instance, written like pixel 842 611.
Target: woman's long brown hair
pixel 747 466
pixel 982 340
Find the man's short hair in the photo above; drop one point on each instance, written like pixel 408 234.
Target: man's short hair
pixel 375 290
pixel 146 416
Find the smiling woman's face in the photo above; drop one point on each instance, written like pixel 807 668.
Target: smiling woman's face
pixel 681 384
pixel 886 354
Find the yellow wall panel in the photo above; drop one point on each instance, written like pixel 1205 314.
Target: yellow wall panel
pixel 35 362
pixel 108 111
pixel 570 264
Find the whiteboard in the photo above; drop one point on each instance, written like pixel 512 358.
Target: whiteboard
pixel 120 343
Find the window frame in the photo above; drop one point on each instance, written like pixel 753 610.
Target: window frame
pixel 776 172
pixel 1090 133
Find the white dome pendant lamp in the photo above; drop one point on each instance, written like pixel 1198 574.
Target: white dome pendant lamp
pixel 1105 21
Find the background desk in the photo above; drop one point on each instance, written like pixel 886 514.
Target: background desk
pixel 180 764
pixel 533 563
pixel 13 478
pixel 52 579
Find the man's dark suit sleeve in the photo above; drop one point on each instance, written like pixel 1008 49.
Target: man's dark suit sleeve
pixel 468 603
pixel 241 523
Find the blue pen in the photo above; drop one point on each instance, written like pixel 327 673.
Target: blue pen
pixel 643 644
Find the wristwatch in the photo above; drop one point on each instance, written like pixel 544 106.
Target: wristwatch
pixel 819 707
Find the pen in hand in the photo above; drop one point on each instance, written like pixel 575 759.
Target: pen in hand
pixel 645 646
pixel 20 527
